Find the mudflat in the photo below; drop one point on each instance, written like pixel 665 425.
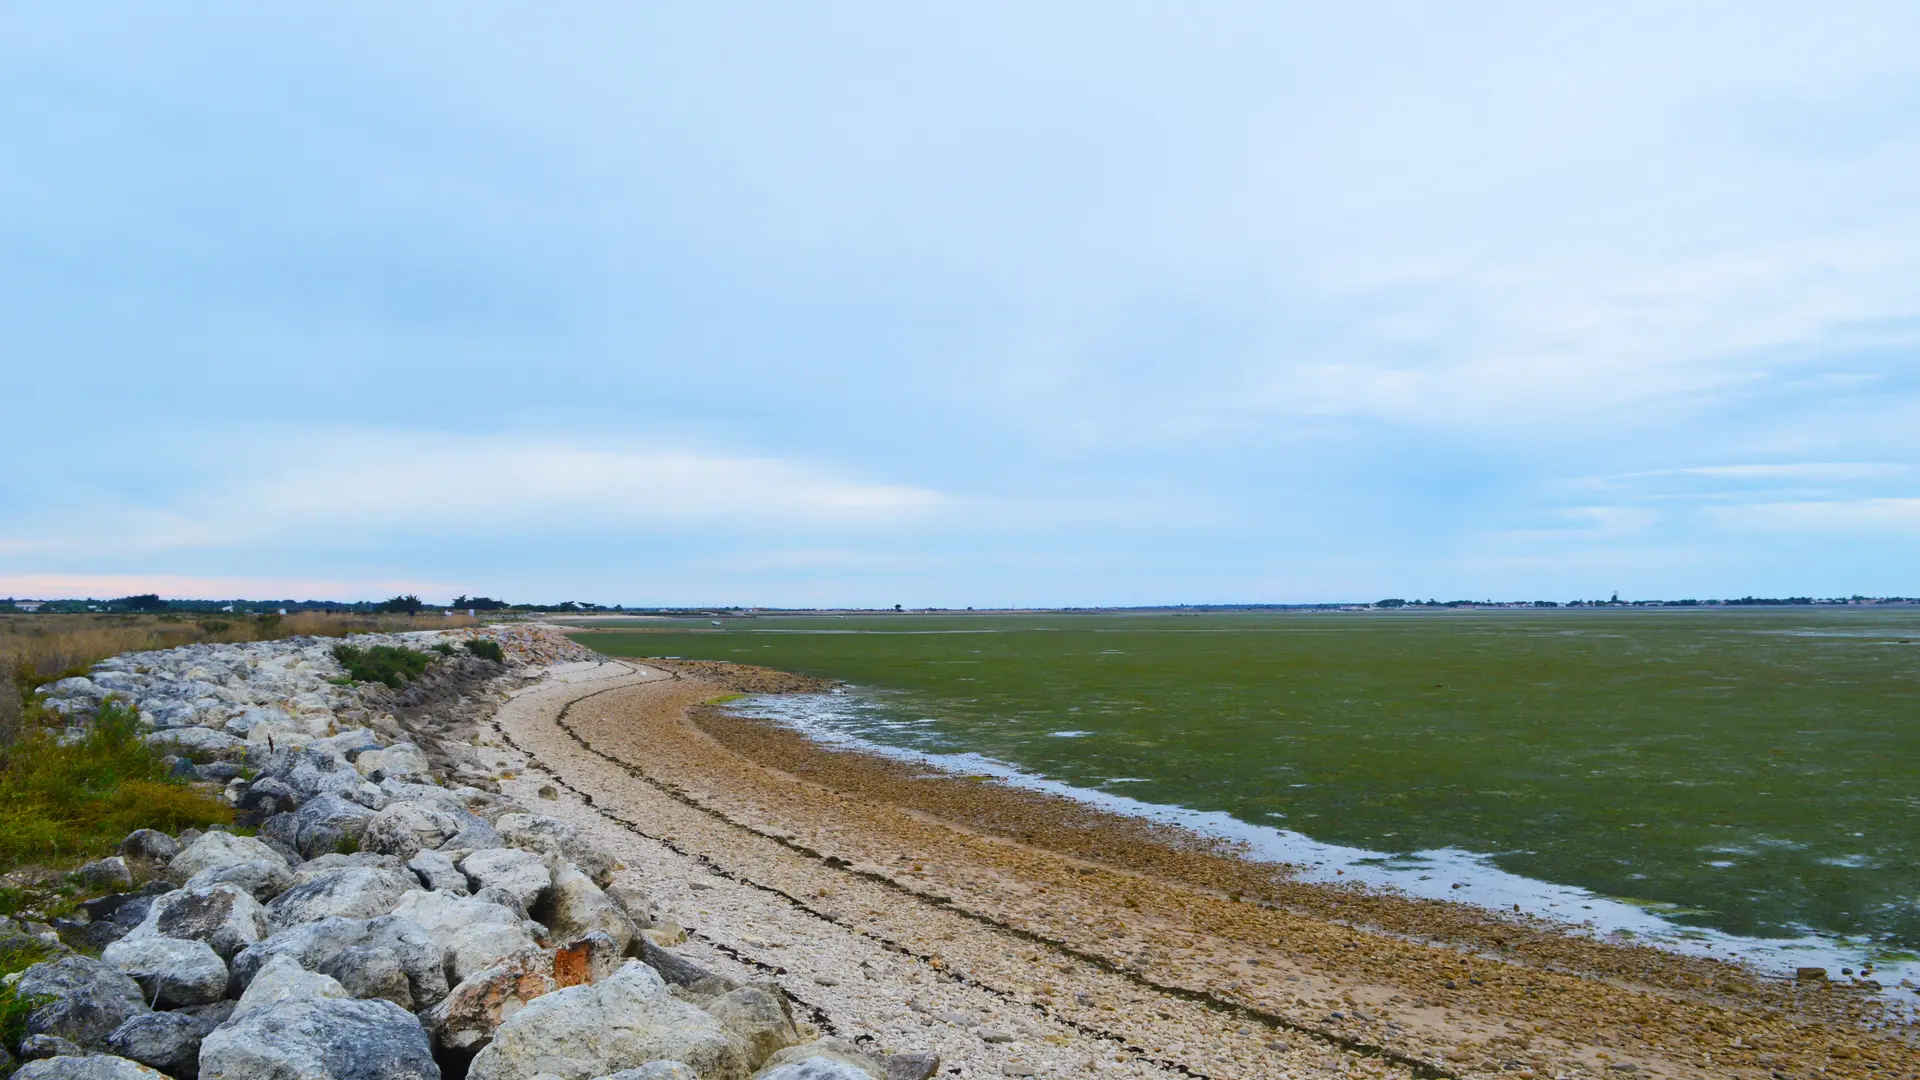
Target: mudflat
pixel 1097 941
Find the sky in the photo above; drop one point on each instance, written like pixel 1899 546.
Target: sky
pixel 958 304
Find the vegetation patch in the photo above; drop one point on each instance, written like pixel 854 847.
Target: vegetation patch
pixel 387 664
pixel 65 800
pixel 486 650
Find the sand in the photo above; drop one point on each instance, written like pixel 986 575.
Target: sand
pixel 1019 934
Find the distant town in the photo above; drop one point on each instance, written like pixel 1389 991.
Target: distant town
pixel 152 603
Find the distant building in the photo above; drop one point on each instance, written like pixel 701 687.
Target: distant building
pixel 29 605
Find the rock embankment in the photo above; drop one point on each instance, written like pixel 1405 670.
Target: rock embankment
pixel 392 916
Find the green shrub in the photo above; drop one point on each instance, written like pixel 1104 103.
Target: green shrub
pixel 215 626
pixel 444 648
pixel 66 801
pixel 382 664
pixel 486 650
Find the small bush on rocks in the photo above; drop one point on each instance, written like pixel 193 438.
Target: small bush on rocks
pixel 486 650
pixel 444 648
pixel 382 664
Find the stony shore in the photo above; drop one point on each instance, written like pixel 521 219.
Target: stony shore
pixel 573 867
pixel 387 912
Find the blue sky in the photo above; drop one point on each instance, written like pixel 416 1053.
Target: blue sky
pixel 957 304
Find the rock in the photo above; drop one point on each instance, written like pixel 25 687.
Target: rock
pixel 522 873
pixel 437 872
pixel 473 933
pixel 356 892
pixel 217 849
pixel 327 1039
pixel 282 978
pixel 350 744
pixel 633 901
pixel 267 796
pixel 589 959
pixel 261 879
pixel 405 829
pixel 194 740
pixel 621 1022
pixel 506 898
pixel 168 1041
pixel 360 954
pixel 396 762
pixel 171 971
pixel 921 1065
pixel 574 906
pixel 86 999
pixel 325 864
pixel 1810 974
pixel 467 1017
pixel 149 845
pixel 551 836
pixel 111 872
pixel 311 771
pixel 824 1059
pixel 684 973
pixel 329 823
pixel 35 1047
pixel 225 917
pixel 759 1017
pixel 655 1070
pixel 474 838
pixel 94 1067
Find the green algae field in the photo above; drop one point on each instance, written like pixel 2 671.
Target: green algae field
pixel 1755 771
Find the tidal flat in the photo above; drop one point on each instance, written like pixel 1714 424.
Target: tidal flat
pixel 1753 771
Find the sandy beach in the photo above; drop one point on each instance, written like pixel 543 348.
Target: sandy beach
pixel 1020 934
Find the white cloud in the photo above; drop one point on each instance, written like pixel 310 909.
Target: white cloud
pixel 312 491
pixel 1846 516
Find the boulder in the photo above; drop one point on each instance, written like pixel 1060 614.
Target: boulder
pixel 622 1022
pixel 350 744
pixel 759 1017
pixel 168 1041
pixel 551 836
pixel 473 933
pixel 282 978
pixel 655 1070
pixel 474 838
pixel 35 1047
pixel 574 906
pixel 324 1039
pixel 92 1067
pixel 919 1065
pixel 149 846
pixel 86 999
pixel 634 901
pixel 387 957
pixel 467 1017
pixel 311 770
pixel 172 971
pixel 520 872
pixel 217 849
pixel 111 872
pixel 404 829
pixel 825 1059
pixel 589 959
pixel 398 762
pixel 326 864
pixel 437 872
pixel 329 823
pixel 356 892
pixel 262 879
pixel 684 973
pixel 506 898
pixel 224 916
pixel 194 740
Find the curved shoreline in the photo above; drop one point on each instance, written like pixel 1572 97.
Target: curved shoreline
pixel 1141 931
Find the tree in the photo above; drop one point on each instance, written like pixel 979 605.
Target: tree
pixel 401 605
pixel 1391 603
pixel 144 602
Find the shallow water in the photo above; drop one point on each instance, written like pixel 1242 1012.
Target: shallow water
pixel 1741 773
